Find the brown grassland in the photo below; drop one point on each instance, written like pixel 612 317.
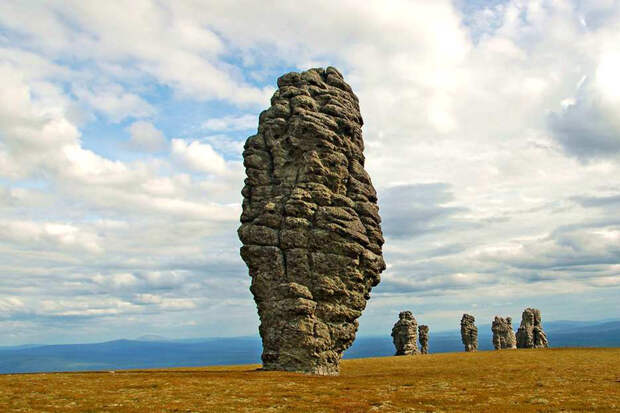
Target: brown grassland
pixel 568 380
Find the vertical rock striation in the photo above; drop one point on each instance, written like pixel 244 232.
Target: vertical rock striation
pixel 503 334
pixel 310 225
pixel 530 333
pixel 469 332
pixel 405 334
pixel 423 336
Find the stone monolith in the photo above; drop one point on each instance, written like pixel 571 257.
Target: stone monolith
pixel 530 333
pixel 423 337
pixel 405 334
pixel 310 224
pixel 469 332
pixel 503 334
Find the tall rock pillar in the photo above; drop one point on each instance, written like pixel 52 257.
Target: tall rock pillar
pixel 530 333
pixel 503 334
pixel 310 224
pixel 405 334
pixel 469 332
pixel 423 337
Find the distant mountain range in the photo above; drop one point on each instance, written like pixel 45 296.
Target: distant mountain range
pixel 156 351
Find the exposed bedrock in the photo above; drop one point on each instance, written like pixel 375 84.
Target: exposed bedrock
pixel 310 224
pixel 530 333
pixel 469 332
pixel 405 334
pixel 503 334
pixel 423 337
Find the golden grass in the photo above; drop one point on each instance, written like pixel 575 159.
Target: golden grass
pixel 491 381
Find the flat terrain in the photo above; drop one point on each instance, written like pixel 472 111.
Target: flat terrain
pixel 490 381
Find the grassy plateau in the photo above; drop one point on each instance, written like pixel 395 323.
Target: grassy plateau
pixel 568 380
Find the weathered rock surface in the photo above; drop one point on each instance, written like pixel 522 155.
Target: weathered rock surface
pixel 423 336
pixel 310 225
pixel 503 334
pixel 469 332
pixel 405 334
pixel 530 333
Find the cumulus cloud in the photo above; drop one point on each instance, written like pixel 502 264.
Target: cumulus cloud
pixel 49 235
pixel 571 246
pixel 490 134
pixel 587 126
pixel 87 308
pixel 146 137
pixel 118 280
pixel 598 201
pixel 198 156
pixel 165 303
pixel 232 148
pixel 411 210
pixel 168 43
pixel 116 103
pixel 34 124
pixel 10 304
pixel 231 123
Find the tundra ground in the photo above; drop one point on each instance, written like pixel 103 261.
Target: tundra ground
pixel 569 380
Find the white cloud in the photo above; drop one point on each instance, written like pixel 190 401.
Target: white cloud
pixel 198 156
pixel 148 299
pixel 33 122
pixel 145 136
pixel 50 235
pixel 231 123
pixel 10 305
pixel 86 166
pixel 607 76
pixel 83 307
pixel 171 45
pixel 114 102
pixel 177 304
pixel 118 280
pixel 231 147
pixel 483 195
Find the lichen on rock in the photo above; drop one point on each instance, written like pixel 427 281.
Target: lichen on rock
pixel 530 333
pixel 405 334
pixel 469 332
pixel 310 225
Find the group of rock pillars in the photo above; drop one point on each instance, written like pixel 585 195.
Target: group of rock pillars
pixel 311 230
pixel 405 334
pixel 529 335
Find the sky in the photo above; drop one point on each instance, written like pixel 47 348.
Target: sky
pixel 492 133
